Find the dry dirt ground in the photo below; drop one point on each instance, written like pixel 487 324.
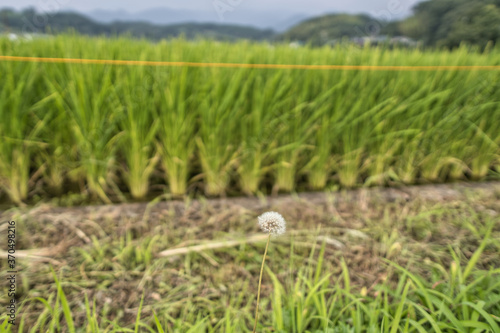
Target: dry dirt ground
pixel 113 254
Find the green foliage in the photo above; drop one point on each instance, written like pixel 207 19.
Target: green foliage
pixel 20 128
pixel 436 23
pixel 452 22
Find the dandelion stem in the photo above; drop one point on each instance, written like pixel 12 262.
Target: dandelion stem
pixel 260 283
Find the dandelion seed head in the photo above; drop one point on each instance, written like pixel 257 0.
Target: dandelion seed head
pixel 272 223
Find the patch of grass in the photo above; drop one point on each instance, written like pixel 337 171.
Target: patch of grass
pixel 363 265
pixel 458 299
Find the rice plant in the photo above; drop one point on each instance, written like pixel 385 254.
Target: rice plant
pixel 19 128
pixel 138 131
pixel 177 128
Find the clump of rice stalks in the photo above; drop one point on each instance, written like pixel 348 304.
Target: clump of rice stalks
pixel 273 224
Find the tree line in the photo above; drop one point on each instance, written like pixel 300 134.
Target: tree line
pixel 435 23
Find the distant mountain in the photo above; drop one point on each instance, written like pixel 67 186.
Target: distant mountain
pixel 278 21
pixel 64 21
pixel 324 29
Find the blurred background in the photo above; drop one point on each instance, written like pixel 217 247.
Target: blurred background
pixel 434 23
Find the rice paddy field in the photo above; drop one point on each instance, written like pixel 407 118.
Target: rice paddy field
pixel 116 133
pixel 135 190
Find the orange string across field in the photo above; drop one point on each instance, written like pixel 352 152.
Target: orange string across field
pixel 239 65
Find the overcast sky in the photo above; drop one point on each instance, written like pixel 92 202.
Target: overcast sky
pixel 389 9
